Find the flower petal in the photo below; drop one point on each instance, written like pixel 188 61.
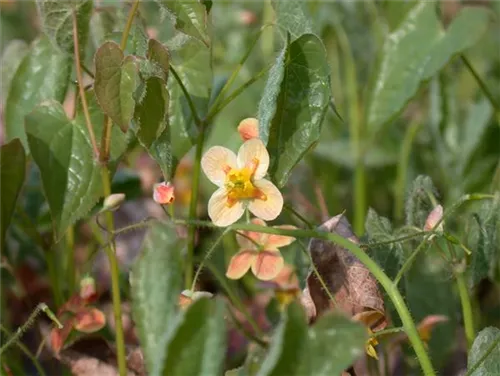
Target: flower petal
pixel 267 265
pixel 240 263
pixel 251 150
pixel 257 237
pixel 278 241
pixel 164 193
pixel 270 208
pixel 220 213
pixel 89 320
pixel 215 161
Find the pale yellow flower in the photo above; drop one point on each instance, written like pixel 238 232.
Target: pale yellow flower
pixel 241 183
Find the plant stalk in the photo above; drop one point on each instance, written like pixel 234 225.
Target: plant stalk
pixel 470 332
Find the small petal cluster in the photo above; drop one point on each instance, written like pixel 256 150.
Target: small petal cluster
pixel 259 252
pixel 163 193
pixel 248 129
pixel 241 183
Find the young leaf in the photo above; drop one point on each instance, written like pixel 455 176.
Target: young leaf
pixel 292 15
pixel 416 51
pixel 42 75
pixel 190 17
pixel 11 58
pixel 115 83
pixel 156 282
pixel 288 346
pixel 57 19
pixel 12 172
pixel 70 175
pixel 294 104
pixel 335 342
pixel 158 54
pixel 197 344
pixel 484 356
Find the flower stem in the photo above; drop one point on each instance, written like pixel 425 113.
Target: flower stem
pixel 130 20
pixel 188 97
pixel 115 281
pixel 470 332
pixel 70 261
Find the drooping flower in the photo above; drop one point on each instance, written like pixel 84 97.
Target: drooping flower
pixel 248 129
pixel 163 193
pixel 259 252
pixel 241 183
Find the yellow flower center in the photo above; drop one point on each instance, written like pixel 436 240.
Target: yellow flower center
pixel 239 185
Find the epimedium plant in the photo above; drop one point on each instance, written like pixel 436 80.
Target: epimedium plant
pixel 158 94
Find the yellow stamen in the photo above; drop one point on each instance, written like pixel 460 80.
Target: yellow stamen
pixel 239 184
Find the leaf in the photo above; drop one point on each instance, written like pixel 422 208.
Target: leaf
pixel 197 346
pixel 293 16
pixel 352 285
pixel 115 83
pixel 156 282
pixel 12 56
pixel 190 17
pixel 335 342
pixel 42 75
pixel 415 52
pixel 158 54
pixel 418 204
pixel 294 104
pixel 150 114
pixel 289 344
pixel 57 20
pixel 70 175
pixel 12 173
pixel 484 342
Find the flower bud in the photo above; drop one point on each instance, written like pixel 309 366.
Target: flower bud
pixel 163 193
pixel 113 201
pixel 248 128
pixel 87 288
pixel 433 218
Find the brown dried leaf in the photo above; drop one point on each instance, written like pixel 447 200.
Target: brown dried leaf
pixel 352 285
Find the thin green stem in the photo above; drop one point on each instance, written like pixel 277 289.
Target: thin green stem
pixel 115 279
pixel 215 110
pixel 188 269
pixel 128 26
pixel 26 352
pixel 298 215
pixel 106 140
pixel 70 262
pixel 246 332
pixel 207 256
pixel 79 78
pixel 409 262
pixel 187 95
pixel 396 240
pixel 483 357
pixel 470 332
pixel 378 273
pixel 401 174
pixel 88 71
pixel 388 331
pixel 53 271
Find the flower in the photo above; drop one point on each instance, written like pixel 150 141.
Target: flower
pixel 241 183
pixel 248 129
pixel 261 253
pixel 187 297
pixel 163 193
pixel 370 345
pixel 433 218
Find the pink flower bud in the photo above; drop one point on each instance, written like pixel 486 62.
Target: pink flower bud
pixel 248 128
pixel 433 218
pixel 163 193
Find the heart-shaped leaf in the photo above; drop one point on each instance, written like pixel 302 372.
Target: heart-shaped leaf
pixel 11 58
pixel 12 172
pixel 115 83
pixel 42 75
pixel 292 15
pixel 70 175
pixel 484 356
pixel 57 19
pixel 158 54
pixel 156 283
pixel 197 345
pixel 417 50
pixel 294 104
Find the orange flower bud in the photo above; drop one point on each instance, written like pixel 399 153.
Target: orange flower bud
pixel 163 193
pixel 248 128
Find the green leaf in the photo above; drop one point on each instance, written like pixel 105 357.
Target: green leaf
pixel 335 342
pixel 289 344
pixel 415 52
pixel 293 16
pixel 12 172
pixel 115 83
pixel 156 282
pixel 418 204
pixel 12 56
pixel 150 115
pixel 70 175
pixel 57 20
pixel 158 54
pixel 42 75
pixel 197 345
pixel 485 349
pixel 294 104
pixel 190 17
